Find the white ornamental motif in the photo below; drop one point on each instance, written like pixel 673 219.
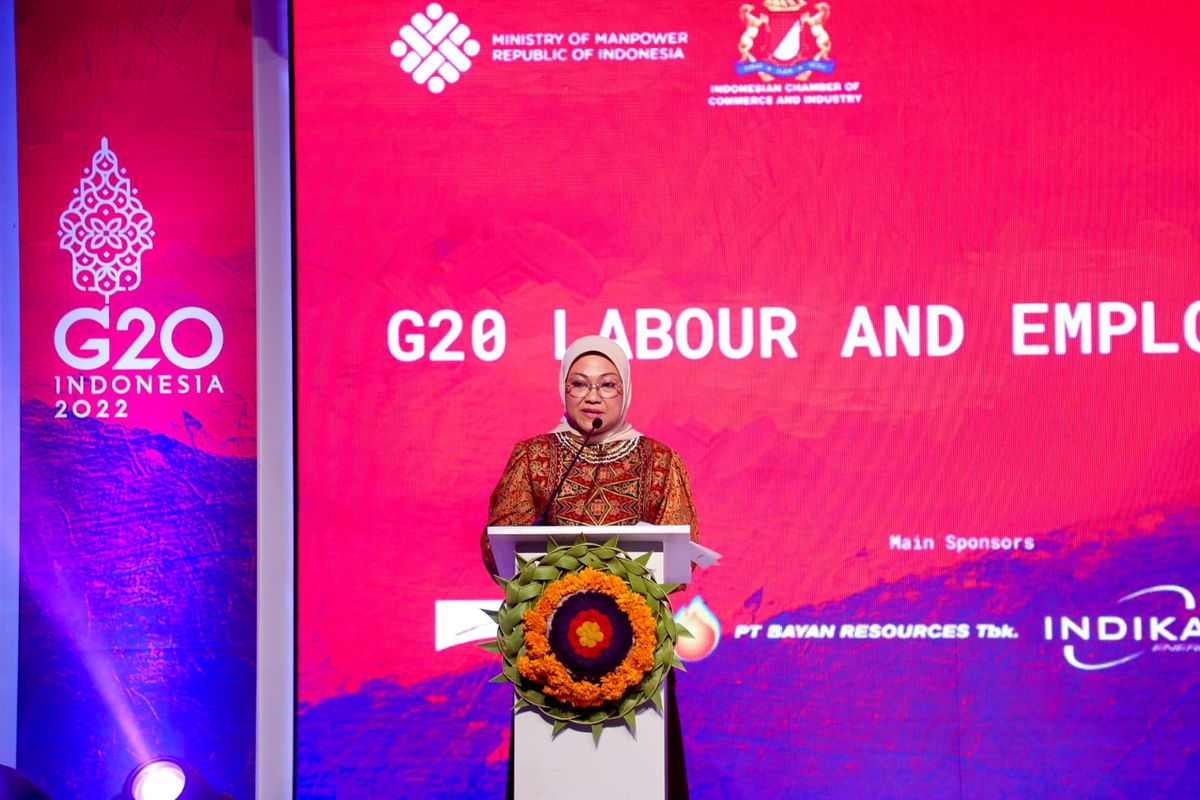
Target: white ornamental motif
pixel 105 228
pixel 435 48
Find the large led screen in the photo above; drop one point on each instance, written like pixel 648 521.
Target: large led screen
pixel 912 289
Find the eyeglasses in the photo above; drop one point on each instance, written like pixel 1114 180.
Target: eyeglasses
pixel 580 389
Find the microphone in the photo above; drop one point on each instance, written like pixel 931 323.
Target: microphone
pixel 544 517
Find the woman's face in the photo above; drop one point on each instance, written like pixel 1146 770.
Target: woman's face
pixel 581 411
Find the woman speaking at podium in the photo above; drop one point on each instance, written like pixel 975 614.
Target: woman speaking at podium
pixel 594 468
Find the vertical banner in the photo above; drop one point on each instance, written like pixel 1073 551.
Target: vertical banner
pixel 136 180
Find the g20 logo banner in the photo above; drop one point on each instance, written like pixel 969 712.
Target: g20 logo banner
pixel 116 354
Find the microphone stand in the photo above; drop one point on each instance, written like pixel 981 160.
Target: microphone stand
pixel 544 517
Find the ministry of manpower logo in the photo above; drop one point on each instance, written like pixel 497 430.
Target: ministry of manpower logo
pixel 435 48
pixel 106 229
pixel 1106 641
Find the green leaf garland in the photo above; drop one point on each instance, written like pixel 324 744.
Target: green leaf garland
pixel 523 591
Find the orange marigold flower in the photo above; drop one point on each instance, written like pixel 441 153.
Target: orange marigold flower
pixel 541 666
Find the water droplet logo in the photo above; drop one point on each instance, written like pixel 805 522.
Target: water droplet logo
pixel 705 629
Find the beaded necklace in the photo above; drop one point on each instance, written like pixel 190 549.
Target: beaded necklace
pixel 601 453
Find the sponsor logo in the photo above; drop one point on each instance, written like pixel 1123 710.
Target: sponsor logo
pixel 458 622
pixel 784 40
pixel 779 47
pixel 1094 643
pixel 435 48
pixel 579 46
pixel 705 628
pixel 106 229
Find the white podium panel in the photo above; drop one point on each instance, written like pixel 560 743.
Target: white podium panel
pixel 575 766
pixel 622 765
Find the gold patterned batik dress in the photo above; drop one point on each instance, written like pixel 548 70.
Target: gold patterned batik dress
pixel 618 483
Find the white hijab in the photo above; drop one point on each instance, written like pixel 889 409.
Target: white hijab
pixel 620 432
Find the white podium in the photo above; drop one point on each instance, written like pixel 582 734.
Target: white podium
pixel 622 764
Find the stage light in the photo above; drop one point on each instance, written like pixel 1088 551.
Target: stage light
pixel 158 780
pixel 167 779
pixel 14 786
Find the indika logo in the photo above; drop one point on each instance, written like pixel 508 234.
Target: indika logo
pixel 435 48
pixel 783 40
pixel 106 228
pixel 1122 634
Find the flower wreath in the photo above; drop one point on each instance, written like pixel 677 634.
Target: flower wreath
pixel 586 635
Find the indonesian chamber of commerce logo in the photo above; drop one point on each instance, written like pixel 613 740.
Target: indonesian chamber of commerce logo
pixel 1158 619
pixel 435 48
pixel 785 39
pixel 106 229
